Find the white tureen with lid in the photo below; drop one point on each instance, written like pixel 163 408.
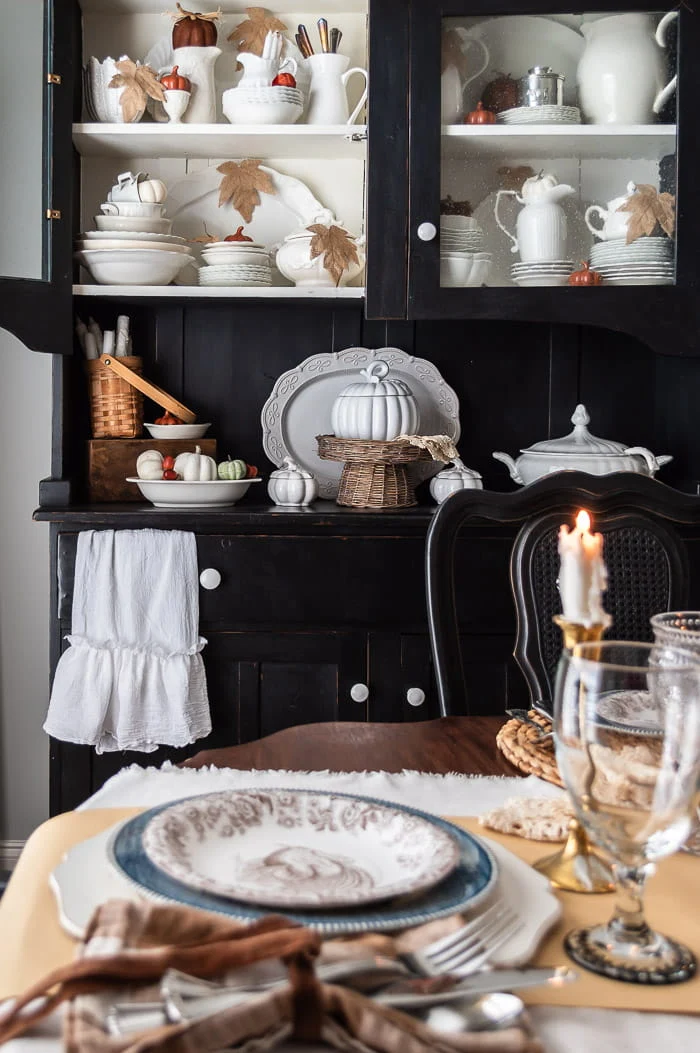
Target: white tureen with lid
pixel 580 451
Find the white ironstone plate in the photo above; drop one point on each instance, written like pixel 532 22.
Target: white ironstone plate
pixel 299 408
pixel 285 848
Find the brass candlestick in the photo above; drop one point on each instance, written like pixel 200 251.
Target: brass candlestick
pixel 577 867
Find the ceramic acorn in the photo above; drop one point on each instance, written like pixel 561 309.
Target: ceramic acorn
pixel 541 224
pixel 453 478
pixel 292 485
pixel 377 409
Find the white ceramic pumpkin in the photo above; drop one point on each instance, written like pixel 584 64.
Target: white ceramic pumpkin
pixel 149 465
pixel 453 478
pixel 292 485
pixel 153 191
pixel 196 467
pixel 378 409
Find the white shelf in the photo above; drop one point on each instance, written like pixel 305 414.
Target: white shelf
pixel 332 142
pixel 646 141
pixel 281 7
pixel 196 292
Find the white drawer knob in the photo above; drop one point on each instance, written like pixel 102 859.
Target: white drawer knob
pixel 426 231
pixel 359 692
pixel 415 697
pixel 210 578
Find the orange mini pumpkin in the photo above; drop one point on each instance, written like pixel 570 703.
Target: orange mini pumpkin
pixel 585 276
pixel 174 81
pixel 480 116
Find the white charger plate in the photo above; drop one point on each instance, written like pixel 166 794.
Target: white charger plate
pixel 299 849
pixel 299 408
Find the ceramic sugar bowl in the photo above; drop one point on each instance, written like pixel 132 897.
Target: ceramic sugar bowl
pixel 581 452
pixel 292 485
pixel 376 409
pixel 332 266
pixel 454 478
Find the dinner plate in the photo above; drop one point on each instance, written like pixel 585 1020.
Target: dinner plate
pixel 629 711
pixel 299 408
pixel 467 885
pixel 298 848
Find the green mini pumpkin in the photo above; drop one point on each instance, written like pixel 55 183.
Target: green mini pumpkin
pixel 229 469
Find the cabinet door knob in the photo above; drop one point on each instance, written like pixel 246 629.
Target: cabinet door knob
pixel 210 578
pixel 415 696
pixel 426 231
pixel 359 692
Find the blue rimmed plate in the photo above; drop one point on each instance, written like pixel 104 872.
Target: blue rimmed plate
pixel 471 881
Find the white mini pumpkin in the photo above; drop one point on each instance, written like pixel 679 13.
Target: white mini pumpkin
pixel 195 467
pixel 453 478
pixel 149 465
pixel 378 409
pixel 292 485
pixel 153 191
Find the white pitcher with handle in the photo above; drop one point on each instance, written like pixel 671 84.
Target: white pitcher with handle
pixel 328 97
pixel 614 222
pixel 541 225
pixel 453 83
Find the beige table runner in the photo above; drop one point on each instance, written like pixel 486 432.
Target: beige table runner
pixel 32 942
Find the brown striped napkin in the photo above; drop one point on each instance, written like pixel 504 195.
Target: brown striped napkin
pixel 129 946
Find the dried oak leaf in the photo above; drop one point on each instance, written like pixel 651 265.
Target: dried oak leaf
pixel 650 210
pixel 337 246
pixel 250 34
pixel 241 185
pixel 138 83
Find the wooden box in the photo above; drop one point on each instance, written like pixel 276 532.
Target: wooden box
pixel 111 460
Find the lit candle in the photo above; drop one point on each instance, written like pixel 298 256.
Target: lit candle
pixel 583 576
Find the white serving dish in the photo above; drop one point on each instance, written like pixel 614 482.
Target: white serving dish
pixel 293 260
pixel 464 269
pixel 129 235
pixel 299 408
pixel 240 107
pixel 282 856
pixel 133 266
pixel 135 243
pixel 177 431
pixel 133 224
pixel 176 493
pixel 234 255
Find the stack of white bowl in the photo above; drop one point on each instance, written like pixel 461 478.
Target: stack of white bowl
pixel 645 261
pixel 462 263
pixel 235 263
pixel 272 104
pixel 132 245
pixel 549 272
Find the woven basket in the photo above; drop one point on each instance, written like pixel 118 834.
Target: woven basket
pixel 374 473
pixel 518 743
pixel 116 408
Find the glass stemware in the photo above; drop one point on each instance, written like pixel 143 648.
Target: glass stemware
pixel 627 738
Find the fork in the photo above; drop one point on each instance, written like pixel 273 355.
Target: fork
pixel 468 949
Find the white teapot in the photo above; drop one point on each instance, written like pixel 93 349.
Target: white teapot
pixel 541 225
pixel 614 221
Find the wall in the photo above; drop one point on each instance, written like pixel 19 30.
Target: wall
pixel 25 439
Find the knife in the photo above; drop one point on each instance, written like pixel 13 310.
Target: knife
pixel 481 983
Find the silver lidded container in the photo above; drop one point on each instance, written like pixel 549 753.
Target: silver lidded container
pixel 541 87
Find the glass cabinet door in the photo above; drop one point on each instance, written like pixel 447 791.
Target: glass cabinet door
pixel 543 157
pixel 35 171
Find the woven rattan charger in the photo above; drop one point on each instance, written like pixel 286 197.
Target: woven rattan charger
pixel 374 473
pixel 519 743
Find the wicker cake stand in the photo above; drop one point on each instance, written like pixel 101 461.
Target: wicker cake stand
pixel 374 473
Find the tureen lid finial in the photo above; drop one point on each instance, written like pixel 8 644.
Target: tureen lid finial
pixel 580 416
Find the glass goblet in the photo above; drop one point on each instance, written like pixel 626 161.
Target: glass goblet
pixel 632 793
pixel 681 629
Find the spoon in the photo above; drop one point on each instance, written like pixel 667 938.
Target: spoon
pixel 491 1012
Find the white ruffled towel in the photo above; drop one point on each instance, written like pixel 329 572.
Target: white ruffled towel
pixel 133 677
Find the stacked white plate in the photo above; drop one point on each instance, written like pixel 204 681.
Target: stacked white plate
pixel 235 263
pixel 645 261
pixel 120 257
pixel 540 115
pixel 460 234
pixel 554 272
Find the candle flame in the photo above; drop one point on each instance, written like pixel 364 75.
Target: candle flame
pixel 583 521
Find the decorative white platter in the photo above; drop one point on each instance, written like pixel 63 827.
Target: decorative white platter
pixel 205 493
pixel 281 848
pixel 299 408
pixel 193 203
pixel 86 877
pixel 630 711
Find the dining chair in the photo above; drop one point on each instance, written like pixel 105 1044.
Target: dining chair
pixel 645 554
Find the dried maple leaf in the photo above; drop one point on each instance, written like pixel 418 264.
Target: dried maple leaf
pixel 649 210
pixel 138 84
pixel 241 185
pixel 250 34
pixel 337 246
